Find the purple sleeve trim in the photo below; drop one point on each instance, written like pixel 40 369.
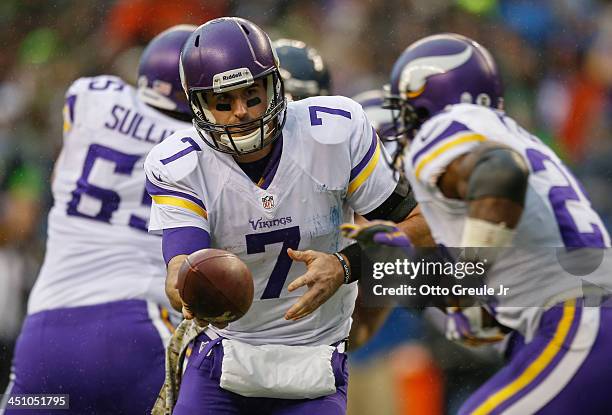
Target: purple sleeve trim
pixel 366 159
pixel 183 241
pixel 454 128
pixel 155 190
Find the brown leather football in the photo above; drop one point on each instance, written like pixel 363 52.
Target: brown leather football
pixel 216 285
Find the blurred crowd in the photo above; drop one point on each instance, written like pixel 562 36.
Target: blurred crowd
pixel 554 55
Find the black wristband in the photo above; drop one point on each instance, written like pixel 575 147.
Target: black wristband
pixel 345 267
pixel 353 254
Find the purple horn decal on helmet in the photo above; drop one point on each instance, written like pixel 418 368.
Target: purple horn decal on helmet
pixel 438 71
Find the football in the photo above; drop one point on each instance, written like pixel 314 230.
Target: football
pixel 216 285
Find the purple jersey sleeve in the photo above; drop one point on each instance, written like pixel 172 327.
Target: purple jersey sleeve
pixel 183 241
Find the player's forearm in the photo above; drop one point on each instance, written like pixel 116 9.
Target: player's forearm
pixel 177 243
pixel 496 210
pixel 171 278
pixel 417 229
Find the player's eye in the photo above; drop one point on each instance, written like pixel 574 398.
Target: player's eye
pixel 251 102
pixel 223 103
pixel 221 106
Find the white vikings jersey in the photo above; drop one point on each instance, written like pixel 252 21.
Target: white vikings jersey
pixel 98 248
pixel 331 166
pixel 556 214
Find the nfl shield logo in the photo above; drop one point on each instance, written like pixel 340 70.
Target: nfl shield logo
pixel 267 201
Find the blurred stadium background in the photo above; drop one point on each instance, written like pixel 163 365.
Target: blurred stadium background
pixel 555 56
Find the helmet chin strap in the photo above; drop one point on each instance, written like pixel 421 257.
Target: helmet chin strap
pixel 155 99
pixel 245 142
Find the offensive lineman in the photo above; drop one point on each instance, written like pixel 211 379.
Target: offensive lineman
pixel 97 317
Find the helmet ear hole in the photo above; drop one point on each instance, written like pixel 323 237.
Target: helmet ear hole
pixel 197 41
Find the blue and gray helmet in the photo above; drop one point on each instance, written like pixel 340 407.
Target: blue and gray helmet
pixel 304 72
pixel 159 83
pixel 226 54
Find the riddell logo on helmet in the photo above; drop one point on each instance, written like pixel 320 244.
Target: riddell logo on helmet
pixel 230 77
pixel 236 78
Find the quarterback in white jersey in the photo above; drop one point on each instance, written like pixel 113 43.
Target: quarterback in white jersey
pixel 98 307
pixel 270 182
pixel 299 205
pixel 483 181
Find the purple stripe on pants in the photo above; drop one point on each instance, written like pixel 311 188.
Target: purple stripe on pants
pixel 109 358
pixel 201 394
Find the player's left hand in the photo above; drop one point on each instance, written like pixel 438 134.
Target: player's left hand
pixel 323 278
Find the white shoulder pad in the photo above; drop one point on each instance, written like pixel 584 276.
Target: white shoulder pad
pixel 327 119
pixel 94 84
pixel 78 87
pixel 175 157
pixel 443 138
pixel 87 98
pixel 455 119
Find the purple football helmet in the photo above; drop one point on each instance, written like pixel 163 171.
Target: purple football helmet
pixel 159 83
pixel 226 54
pixel 438 71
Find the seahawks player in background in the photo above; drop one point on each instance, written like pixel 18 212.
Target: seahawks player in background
pixel 303 70
pixel 483 181
pixel 97 317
